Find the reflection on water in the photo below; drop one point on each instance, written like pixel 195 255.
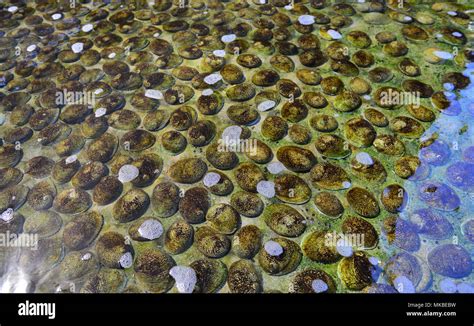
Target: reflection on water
pixel 437 223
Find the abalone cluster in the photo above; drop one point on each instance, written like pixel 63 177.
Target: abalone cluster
pixel 215 145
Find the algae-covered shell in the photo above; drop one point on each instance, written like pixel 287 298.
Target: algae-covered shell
pixel 319 247
pixel 243 114
pixel 284 220
pixel 303 282
pixel 359 132
pixel 363 202
pixel 274 128
pixel 247 204
pixel 82 230
pixel 407 127
pixel 244 278
pixel 39 167
pixel 183 117
pixel 74 266
pixel 308 76
pixel 403 264
pixel 223 187
pixel 292 189
pixel 296 159
pixel 394 198
pixel 247 241
pixel 356 271
pixel 401 233
pixel 358 226
pixel 286 262
pixel 107 190
pixel 450 260
pixel 376 117
pixel 152 266
pixel 131 205
pixel 9 177
pixel 395 49
pixel 299 134
pixel 42 257
pixel 248 175
pixel 178 237
pixel 194 205
pixel 329 176
pixel 201 133
pixel 44 224
pixel 368 168
pixel 72 201
pixel 324 123
pixel 188 170
pixel 363 58
pixel 211 275
pixel 13 197
pixel 294 111
pixel 69 146
pixel 41 195
pixel 10 155
pixel 220 157
pixel 332 146
pixel 165 199
pixel 328 204
pixel 409 67
pixel 149 167
pixel 105 281
pixel 210 243
pixel 407 166
pixel 389 145
pixel 315 100
pixel 223 218
pixel 110 248
pixel 89 175
pixel 137 140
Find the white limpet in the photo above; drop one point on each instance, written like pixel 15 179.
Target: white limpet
pixel 232 133
pixel 56 16
pixel 443 55
pixel 262 2
pixel 86 256
pixel 219 53
pixel 448 86
pixel 211 179
pixel 266 105
pixel 403 284
pixel 266 188
pixel 31 48
pixel 407 18
pixel 126 260
pixel 153 93
pixel 273 248
pixel 367 97
pixel 448 286
pixel 212 78
pixel 207 92
pixel 98 91
pixel 7 215
pixel 12 9
pixel 150 229
pixel 374 261
pixel 127 173
pixel 87 28
pixel 228 38
pixel 77 47
pixel 288 7
pixel 344 250
pixel 306 19
pixel 346 184
pixel 275 167
pixel 100 112
pixel 335 35
pixel 157 34
pixel 457 34
pixel 112 55
pixel 452 13
pixel 364 158
pixel 71 159
pixel 185 278
pixel 319 286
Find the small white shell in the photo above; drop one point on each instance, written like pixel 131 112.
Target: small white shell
pixel 127 173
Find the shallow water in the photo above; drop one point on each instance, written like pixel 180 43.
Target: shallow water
pixel 107 228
